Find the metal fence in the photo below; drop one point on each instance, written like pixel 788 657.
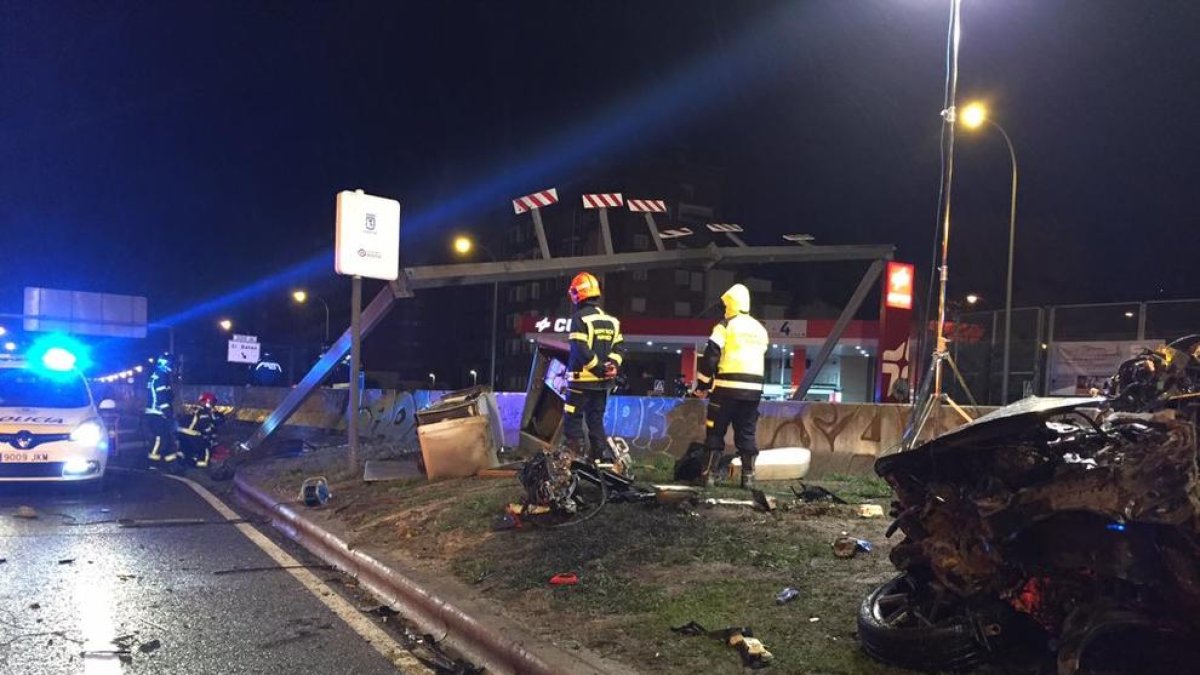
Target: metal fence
pixel 977 340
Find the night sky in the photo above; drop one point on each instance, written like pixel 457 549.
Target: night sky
pixel 184 150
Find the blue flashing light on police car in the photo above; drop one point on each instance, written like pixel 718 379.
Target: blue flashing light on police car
pixel 58 354
pixel 58 359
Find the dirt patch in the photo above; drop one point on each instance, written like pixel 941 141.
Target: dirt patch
pixel 642 569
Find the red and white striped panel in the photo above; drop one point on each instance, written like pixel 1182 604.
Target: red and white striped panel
pixel 536 200
pixel 675 233
pixel 724 227
pixel 603 201
pixel 647 205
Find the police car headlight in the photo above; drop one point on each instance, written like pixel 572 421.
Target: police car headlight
pixel 88 434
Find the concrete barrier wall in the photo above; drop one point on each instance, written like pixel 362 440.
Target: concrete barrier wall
pixel 843 437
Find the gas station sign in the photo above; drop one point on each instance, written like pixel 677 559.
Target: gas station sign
pixel 899 291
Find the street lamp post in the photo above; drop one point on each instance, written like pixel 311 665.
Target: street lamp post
pixel 301 296
pixel 974 116
pixel 463 246
pixel 432 381
pixel 474 377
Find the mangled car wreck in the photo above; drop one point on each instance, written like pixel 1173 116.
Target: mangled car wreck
pixel 1068 529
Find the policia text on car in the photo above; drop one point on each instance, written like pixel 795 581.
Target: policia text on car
pixel 596 354
pixel 732 369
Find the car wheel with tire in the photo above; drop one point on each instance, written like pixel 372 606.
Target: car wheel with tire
pixel 902 624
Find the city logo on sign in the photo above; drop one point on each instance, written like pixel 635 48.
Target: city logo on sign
pixel 370 222
pixel 899 285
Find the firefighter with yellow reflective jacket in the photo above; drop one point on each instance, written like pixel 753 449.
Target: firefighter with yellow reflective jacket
pixel 730 374
pixel 596 355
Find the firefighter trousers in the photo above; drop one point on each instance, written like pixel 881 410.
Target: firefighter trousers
pixel 586 405
pixel 163 447
pixel 195 447
pixel 743 415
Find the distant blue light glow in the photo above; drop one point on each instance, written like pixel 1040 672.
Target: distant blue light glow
pixel 1116 527
pixel 643 119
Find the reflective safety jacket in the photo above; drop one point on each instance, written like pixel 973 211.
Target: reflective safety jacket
pixel 595 340
pixel 204 423
pixel 160 395
pixel 735 356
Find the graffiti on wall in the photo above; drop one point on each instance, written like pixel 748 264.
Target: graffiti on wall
pixel 843 437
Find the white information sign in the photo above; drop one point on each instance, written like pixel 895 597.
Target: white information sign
pixel 367 240
pixel 244 349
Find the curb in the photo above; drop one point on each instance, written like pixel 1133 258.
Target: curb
pixel 509 650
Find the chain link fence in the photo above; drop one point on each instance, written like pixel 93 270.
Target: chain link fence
pixel 977 341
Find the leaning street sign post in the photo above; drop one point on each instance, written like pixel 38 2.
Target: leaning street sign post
pixel 603 202
pixel 367 244
pixel 649 207
pixel 533 203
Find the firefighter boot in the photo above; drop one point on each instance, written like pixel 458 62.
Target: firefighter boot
pixel 748 471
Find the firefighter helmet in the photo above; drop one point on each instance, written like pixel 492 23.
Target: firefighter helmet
pixel 208 399
pixel 582 287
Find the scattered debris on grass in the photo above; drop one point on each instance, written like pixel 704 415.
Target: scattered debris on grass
pixel 816 493
pixel 787 595
pixel 753 652
pixel 870 511
pixel 315 491
pixel 564 579
pixel 848 547
pixel 66 561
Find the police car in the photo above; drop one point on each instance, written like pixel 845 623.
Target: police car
pixel 50 426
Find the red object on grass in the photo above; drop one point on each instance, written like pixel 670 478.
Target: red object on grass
pixel 569 579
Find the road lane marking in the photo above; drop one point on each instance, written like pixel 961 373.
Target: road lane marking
pixel 374 635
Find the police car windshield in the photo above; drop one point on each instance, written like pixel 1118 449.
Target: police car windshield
pixel 24 388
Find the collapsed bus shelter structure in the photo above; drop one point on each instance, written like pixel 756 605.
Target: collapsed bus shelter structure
pixel 415 279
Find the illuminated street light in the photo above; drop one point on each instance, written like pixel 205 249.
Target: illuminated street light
pixel 974 115
pixel 1128 315
pixel 3 330
pixel 225 324
pixel 300 296
pixel 972 299
pixel 463 245
pixel 10 346
pixel 432 381
pixel 474 377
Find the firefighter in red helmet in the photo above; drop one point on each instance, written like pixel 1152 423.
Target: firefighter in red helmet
pixel 200 435
pixel 596 354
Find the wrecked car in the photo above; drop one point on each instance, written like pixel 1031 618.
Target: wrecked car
pixel 1058 533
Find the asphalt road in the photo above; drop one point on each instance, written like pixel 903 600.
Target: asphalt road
pixel 73 580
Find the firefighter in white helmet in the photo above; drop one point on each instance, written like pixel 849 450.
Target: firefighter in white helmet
pixel 730 374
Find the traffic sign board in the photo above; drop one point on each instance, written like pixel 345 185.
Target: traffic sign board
pixel 367 242
pixel 243 352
